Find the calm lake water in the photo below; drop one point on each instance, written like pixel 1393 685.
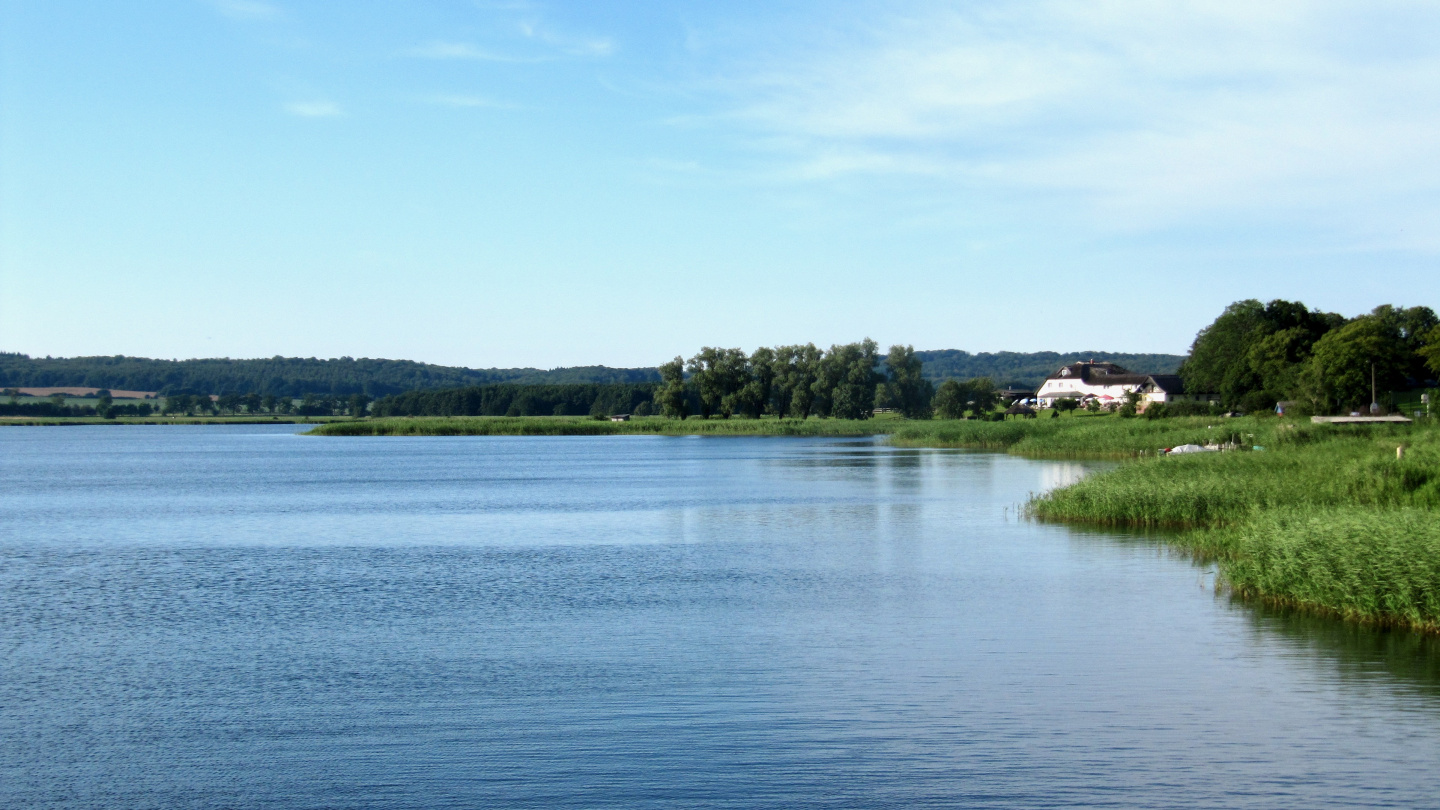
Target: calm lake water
pixel 244 617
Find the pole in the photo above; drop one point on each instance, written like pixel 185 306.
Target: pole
pixel 1374 399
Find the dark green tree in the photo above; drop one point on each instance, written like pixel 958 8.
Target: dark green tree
pixel 906 389
pixel 1252 353
pixel 358 405
pixel 754 396
pixel 1344 363
pixel 950 400
pixel 853 396
pixel 796 369
pixel 672 397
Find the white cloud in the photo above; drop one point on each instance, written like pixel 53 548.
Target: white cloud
pixel 314 109
pixel 458 50
pixel 1147 113
pixel 567 44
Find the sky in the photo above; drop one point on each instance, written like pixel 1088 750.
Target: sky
pixel 504 184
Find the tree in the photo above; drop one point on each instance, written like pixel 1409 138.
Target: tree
pixel 983 396
pixel 268 402
pixel 358 404
pixel 795 368
pixel 950 400
pixel 906 389
pixel 1252 353
pixel 1339 373
pixel 718 375
pixel 1429 350
pixel 853 369
pixel 754 396
pixel 1067 404
pixel 103 404
pixel 672 397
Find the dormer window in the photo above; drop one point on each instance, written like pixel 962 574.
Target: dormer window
pixel 1065 372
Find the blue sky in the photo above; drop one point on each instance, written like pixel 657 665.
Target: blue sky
pixel 547 184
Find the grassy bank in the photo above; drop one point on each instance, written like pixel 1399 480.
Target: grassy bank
pixel 1095 437
pixel 1327 518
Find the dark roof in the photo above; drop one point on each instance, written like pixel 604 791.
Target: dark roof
pixel 1111 374
pixel 1085 371
pixel 1169 383
pixel 1020 409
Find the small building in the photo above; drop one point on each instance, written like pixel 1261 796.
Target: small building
pixel 620 417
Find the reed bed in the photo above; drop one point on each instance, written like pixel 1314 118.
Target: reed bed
pixel 1327 518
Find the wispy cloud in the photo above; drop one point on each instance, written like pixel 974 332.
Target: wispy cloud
pixel 1147 113
pixel 246 9
pixel 565 43
pixel 314 109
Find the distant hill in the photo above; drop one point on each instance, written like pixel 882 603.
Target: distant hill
pixel 1028 370
pixel 284 376
pixel 297 376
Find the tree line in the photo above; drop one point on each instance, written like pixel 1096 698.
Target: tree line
pixel 282 376
pixel 1255 355
pixel 847 381
pixel 522 400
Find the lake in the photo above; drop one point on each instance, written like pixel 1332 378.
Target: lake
pixel 238 616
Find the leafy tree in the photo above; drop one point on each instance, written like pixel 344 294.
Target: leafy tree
pixel 718 374
pixel 1339 373
pixel 906 388
pixel 1251 354
pixel 796 370
pixel 853 369
pixel 269 402
pixel 1067 404
pixel 251 402
pixel 754 396
pixel 950 400
pixel 672 397
pixel 1429 350
pixel 983 396
pixel 358 404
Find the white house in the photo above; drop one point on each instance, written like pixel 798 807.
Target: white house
pixel 1108 383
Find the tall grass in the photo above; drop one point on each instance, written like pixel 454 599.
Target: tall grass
pixel 1326 519
pixel 1381 566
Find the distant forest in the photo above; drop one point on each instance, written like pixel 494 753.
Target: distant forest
pixel 284 376
pixel 1029 370
pixel 522 400
pixel 343 377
